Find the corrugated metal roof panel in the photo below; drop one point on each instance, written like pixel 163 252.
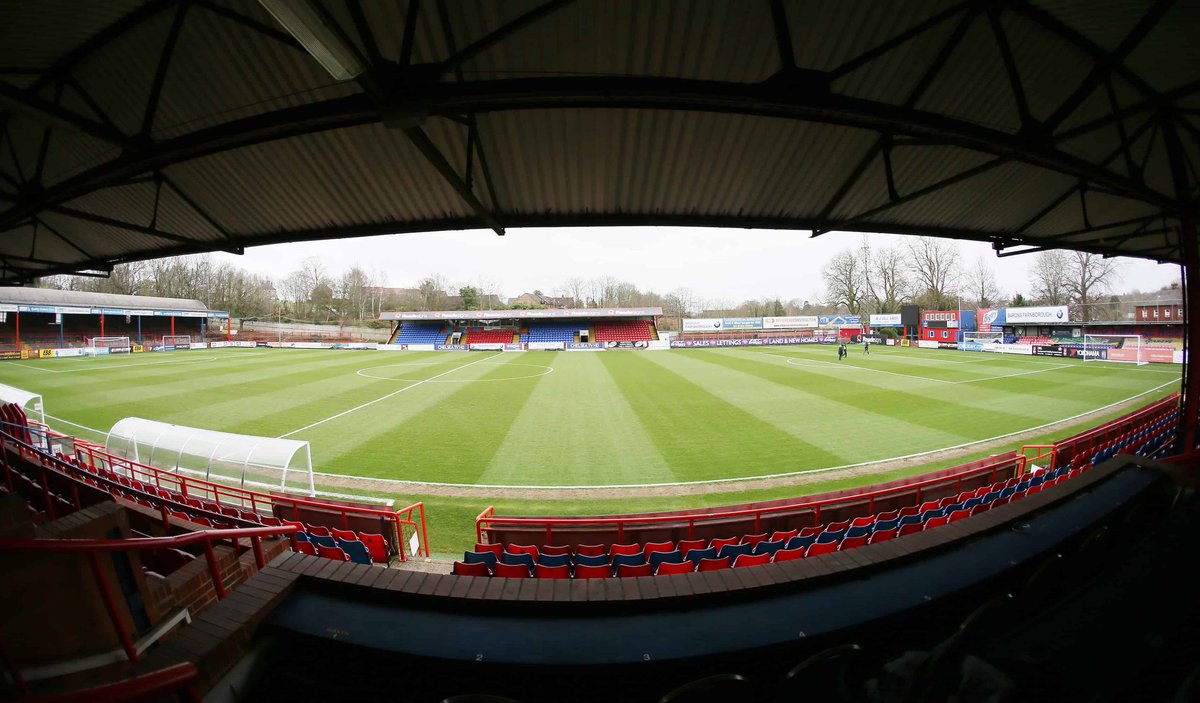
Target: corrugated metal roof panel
pixel 51 296
pixel 119 74
pixel 324 180
pixel 36 34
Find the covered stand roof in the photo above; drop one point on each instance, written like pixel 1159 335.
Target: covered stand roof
pixel 140 128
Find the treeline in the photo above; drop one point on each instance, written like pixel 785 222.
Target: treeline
pixel 929 272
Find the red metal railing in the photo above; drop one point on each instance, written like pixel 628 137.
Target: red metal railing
pixel 1068 447
pixel 179 679
pixel 487 519
pixel 92 548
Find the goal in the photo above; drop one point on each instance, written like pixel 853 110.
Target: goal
pixel 177 340
pixel 986 341
pixel 108 345
pixel 1119 348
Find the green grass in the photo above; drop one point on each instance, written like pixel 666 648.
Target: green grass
pixel 571 419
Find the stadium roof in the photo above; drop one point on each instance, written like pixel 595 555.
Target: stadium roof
pixel 549 313
pixel 74 298
pixel 142 128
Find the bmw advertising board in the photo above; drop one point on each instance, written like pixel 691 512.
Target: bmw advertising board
pixel 703 324
pixel 1020 316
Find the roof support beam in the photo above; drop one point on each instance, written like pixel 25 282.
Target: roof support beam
pixel 119 224
pixel 421 140
pixel 1010 65
pixel 487 41
pixel 896 41
pixel 70 242
pixel 50 114
pixel 269 31
pixel 410 30
pixel 160 73
pixel 1102 69
pixel 783 37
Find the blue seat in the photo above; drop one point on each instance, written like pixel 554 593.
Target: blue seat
pixel 768 547
pixel 695 555
pixel 523 559
pixel 967 505
pixel 627 560
pixel 301 536
pixel 598 560
pixel 488 558
pixel 827 537
pixel 910 520
pixel 930 514
pixel 886 525
pixel 657 558
pixel 554 560
pixel 733 551
pixel 862 531
pixel 322 541
pixel 990 497
pixel 357 551
pixel 801 542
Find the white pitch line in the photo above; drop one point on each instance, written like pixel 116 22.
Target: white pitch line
pixel 383 398
pixel 125 365
pixel 1010 375
pixel 738 479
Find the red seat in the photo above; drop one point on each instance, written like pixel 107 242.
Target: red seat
pixel 960 514
pixel 655 547
pixel 511 571
pixel 319 531
pixel 981 508
pixel 628 571
pixel 687 545
pixel 745 560
pixel 753 540
pixel 345 535
pixel 670 569
pixel 783 535
pixel 250 516
pixel 591 550
pixel 936 522
pixel 909 529
pixel 864 521
pixel 882 536
pixel 231 512
pixel 376 545
pixel 523 549
pixel 811 531
pixel 852 542
pixel 593 572
pixel 334 553
pixel 306 548
pixel 816 550
pixel 839 526
pixel 497 549
pixel 625 549
pixel 788 554
pixel 719 542
pixel 890 515
pixel 713 564
pixel 552 550
pixel 463 569
pixel 552 572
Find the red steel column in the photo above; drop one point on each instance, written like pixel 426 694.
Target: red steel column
pixel 101 324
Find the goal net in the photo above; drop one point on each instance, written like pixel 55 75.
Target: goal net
pixel 981 341
pixel 97 346
pixel 177 340
pixel 1119 348
pixel 245 460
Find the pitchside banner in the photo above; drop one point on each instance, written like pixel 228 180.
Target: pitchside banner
pixel 1051 350
pixel 840 320
pixel 1018 316
pixel 703 324
pixel 790 323
pixel 886 320
pixel 773 341
pixel 1077 353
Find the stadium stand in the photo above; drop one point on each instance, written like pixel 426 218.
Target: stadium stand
pixel 420 333
pixel 553 331
pixel 624 331
pixel 478 335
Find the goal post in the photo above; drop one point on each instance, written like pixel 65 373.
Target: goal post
pixel 97 346
pixel 177 340
pixel 1117 348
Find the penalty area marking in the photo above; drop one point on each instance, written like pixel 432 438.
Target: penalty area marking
pixel 123 365
pixel 384 397
pixel 547 370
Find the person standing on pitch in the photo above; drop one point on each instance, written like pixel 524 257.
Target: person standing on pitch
pixel 866 346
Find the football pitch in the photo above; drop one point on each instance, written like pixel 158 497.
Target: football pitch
pixel 566 419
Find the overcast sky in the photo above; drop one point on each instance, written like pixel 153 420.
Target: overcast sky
pixel 718 264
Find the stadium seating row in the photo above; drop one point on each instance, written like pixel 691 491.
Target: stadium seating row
pixel 420 333
pixel 478 335
pixel 667 558
pixel 623 331
pixel 557 331
pixel 340 545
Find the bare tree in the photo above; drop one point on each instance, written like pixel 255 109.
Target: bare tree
pixel 844 281
pixel 934 264
pixel 886 279
pixel 979 283
pixel 1049 277
pixel 354 293
pixel 1090 276
pixel 680 303
pixel 433 291
pixel 576 288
